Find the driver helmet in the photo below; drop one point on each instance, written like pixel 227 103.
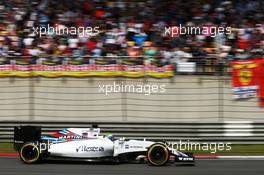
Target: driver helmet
pixel 110 136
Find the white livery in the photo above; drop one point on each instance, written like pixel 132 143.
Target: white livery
pixel 88 144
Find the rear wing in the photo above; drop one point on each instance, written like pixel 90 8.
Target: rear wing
pixel 24 134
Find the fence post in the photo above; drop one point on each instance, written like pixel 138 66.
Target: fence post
pixel 124 106
pixel 31 98
pixel 123 101
pixel 220 91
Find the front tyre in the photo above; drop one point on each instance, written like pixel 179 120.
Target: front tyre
pixel 158 154
pixel 29 153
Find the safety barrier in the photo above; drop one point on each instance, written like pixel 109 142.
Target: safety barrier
pixel 233 132
pixel 186 99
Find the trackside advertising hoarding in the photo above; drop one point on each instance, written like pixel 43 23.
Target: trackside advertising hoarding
pixel 85 70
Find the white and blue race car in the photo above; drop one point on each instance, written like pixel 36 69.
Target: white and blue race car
pixel 88 145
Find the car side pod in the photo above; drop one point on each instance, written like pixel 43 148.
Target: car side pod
pixel 29 153
pixel 158 154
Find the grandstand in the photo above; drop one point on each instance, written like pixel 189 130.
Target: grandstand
pixel 134 29
pixel 130 42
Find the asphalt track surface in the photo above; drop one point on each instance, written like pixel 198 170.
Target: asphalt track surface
pixel 13 166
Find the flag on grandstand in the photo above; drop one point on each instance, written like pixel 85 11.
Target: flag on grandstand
pixel 248 79
pixel 261 83
pixel 245 79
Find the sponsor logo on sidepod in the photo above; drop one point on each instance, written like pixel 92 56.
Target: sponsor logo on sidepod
pixel 89 149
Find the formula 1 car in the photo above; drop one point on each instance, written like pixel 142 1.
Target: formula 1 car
pixel 87 144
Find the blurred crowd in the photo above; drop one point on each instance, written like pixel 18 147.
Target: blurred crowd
pixel 132 29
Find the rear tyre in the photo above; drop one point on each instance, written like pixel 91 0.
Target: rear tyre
pixel 29 153
pixel 158 154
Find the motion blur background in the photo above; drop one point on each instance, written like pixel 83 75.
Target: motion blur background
pixel 132 32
